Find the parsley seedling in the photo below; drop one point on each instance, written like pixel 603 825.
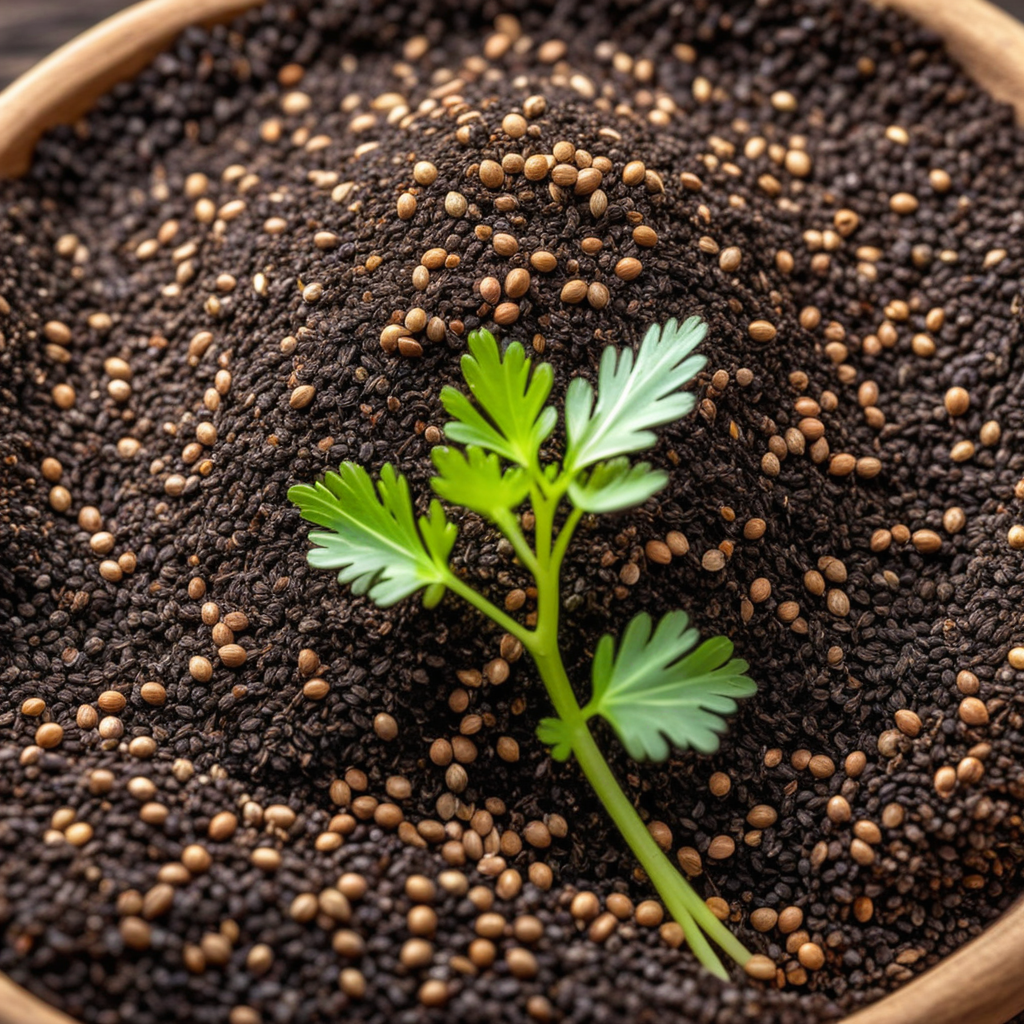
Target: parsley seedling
pixel 659 687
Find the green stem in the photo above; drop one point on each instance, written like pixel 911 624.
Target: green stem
pixel 689 910
pixel 492 611
pixel 509 526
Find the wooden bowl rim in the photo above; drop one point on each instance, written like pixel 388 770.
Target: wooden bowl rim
pixel 983 982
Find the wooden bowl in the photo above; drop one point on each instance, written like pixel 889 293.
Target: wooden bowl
pixel 982 983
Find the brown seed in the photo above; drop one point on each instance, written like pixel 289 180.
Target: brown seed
pixel 585 906
pixel 721 847
pixel 659 552
pixel 926 541
pixel 232 655
pixel 762 330
pixel 761 967
pixel 790 918
pixel 505 244
pixel 861 852
pixel 868 831
pixel 821 767
pixel 945 780
pixel 543 261
pixel 957 401
pixel 49 735
pixel 536 168
pixel 634 173
pixel 838 809
pixel 969 770
pixel 506 313
pixel 222 826
pixel 908 722
pixel 517 283
pixel 628 268
pixel 972 712
pixel 1015 537
pixel 111 701
pixel 645 236
pixel 811 956
pixel 903 203
pixel 491 174
pixel 762 816
pixel 598 295
pixel 574 291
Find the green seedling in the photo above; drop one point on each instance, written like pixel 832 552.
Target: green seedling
pixel 661 686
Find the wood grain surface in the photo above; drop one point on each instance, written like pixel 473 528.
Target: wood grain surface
pixel 30 29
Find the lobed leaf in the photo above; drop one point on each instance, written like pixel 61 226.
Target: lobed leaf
pixel 633 396
pixel 373 538
pixel 510 418
pixel 474 480
pixel 616 485
pixel 553 733
pixel 660 688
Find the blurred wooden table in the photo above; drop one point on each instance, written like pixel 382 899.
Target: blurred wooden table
pixel 30 29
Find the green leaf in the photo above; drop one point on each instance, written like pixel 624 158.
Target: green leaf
pixel 659 688
pixel 632 396
pixel 373 536
pixel 512 420
pixel 553 733
pixel 615 485
pixel 474 480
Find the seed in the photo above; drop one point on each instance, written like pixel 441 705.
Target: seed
pixel 543 261
pixel 33 707
pixel 973 711
pixel 424 173
pixel 200 668
pixel 713 560
pixel 957 401
pixel 506 313
pixel 455 204
pixel 302 396
pixel 588 181
pixel 517 283
pixel 954 520
pixel 721 847
pixel 762 816
pixel 821 767
pixel 634 172
pixel 838 809
pixel 903 203
pixel 536 168
pixel 907 722
pixel 406 206
pixel 505 244
pixel 969 771
pixel 811 956
pixel 514 125
pixel 1016 657
pixel 574 291
pixel 1015 537
pixel 628 268
pixel 659 552
pixel 861 852
pixel 49 735
pixel 645 236
pixel 760 590
pixel 598 295
pixel 790 919
pixel 761 967
pixel 730 258
pixel 944 781
pixel 762 331
pixel 111 701
pixel 222 826
pixel 926 541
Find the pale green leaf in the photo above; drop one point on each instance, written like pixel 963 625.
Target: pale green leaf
pixel 633 396
pixel 510 417
pixel 616 485
pixel 373 537
pixel 552 732
pixel 664 688
pixel 474 480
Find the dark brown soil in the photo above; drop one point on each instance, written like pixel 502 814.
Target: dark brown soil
pixel 829 684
